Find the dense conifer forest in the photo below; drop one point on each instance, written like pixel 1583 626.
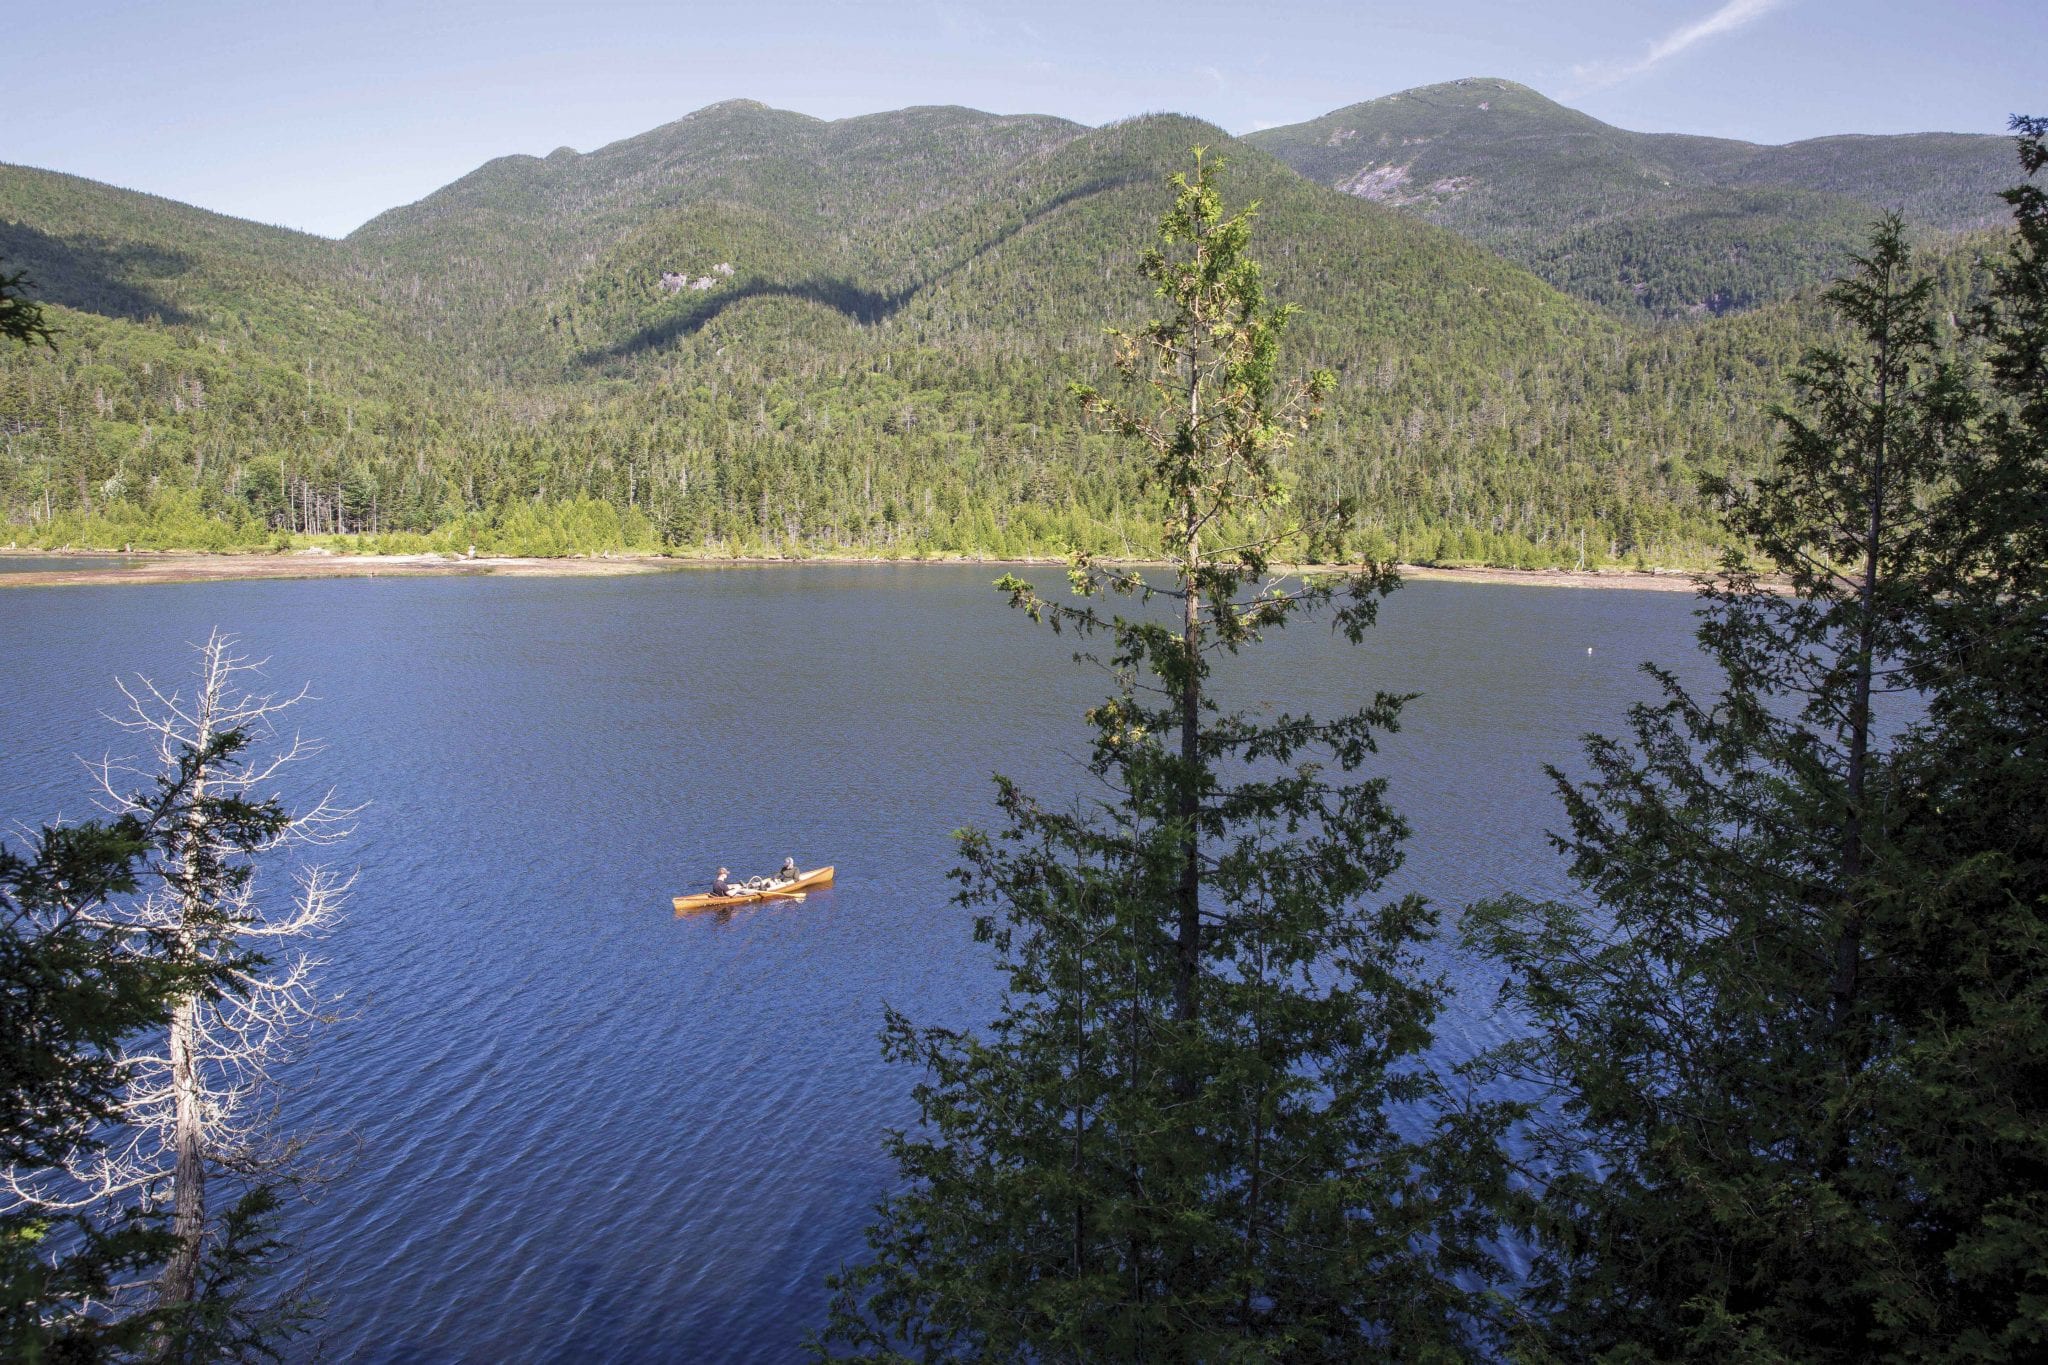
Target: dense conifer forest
pixel 1648 225
pixel 753 332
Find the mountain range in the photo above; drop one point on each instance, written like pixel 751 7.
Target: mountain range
pixel 754 330
pixel 1662 222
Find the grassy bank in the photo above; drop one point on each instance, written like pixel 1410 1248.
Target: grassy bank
pixel 176 523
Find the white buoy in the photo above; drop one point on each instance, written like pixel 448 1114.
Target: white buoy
pixel 1589 650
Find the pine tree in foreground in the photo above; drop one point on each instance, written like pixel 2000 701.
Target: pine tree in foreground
pixel 188 1094
pixel 1799 1042
pixel 70 994
pixel 1969 1088
pixel 1176 1140
pixel 20 319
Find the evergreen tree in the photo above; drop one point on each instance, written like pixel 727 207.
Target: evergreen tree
pixel 68 996
pixel 1174 1141
pixel 1971 879
pixel 20 319
pixel 1756 1032
pixel 156 997
pixel 1843 519
pixel 75 986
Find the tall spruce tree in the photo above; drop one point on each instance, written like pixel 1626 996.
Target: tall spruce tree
pixel 1727 1027
pixel 146 1001
pixel 21 319
pixel 199 1096
pixel 1174 1140
pixel 1969 1087
pixel 69 995
pixel 75 988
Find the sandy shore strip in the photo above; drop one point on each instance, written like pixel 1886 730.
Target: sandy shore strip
pixel 1637 580
pixel 67 571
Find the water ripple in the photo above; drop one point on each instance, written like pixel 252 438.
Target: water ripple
pixel 589 1130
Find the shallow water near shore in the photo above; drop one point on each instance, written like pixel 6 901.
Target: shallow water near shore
pixel 586 1129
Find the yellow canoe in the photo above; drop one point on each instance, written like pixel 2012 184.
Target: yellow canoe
pixel 805 881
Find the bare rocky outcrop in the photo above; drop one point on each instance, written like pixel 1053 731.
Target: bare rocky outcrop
pixel 675 282
pixel 1390 185
pixel 1381 184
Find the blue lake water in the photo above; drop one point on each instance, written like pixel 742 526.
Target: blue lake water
pixel 585 1129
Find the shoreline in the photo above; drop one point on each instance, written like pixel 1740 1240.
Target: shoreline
pixel 178 566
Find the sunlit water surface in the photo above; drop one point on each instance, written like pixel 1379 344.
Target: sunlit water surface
pixel 586 1129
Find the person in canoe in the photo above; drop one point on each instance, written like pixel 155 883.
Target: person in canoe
pixel 721 885
pixel 782 876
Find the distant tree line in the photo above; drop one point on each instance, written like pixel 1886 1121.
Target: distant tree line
pixel 889 392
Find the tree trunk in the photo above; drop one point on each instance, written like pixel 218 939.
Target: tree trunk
pixel 188 1179
pixel 1080 1222
pixel 188 1175
pixel 1849 939
pixel 1188 895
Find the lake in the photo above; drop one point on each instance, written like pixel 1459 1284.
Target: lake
pixel 586 1129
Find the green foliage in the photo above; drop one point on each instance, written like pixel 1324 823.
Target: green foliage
pixel 68 996
pixel 233 1315
pixel 94 973
pixel 1645 224
pixel 1797 1039
pixel 1711 251
pixel 1970 885
pixel 20 319
pixel 879 374
pixel 1174 1141
pixel 74 986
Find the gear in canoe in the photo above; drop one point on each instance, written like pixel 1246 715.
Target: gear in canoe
pixel 787 884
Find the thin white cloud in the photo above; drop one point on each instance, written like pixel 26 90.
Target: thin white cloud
pixel 1731 16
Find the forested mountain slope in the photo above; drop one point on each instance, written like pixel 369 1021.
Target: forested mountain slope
pixel 753 330
pixel 519 229
pixel 1661 223
pixel 137 257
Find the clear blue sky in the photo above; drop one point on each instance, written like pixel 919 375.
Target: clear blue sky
pixel 319 114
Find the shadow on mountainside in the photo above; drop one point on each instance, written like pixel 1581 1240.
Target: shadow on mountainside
pixel 92 276
pixel 864 306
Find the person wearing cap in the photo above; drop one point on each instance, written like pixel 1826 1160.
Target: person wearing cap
pixel 721 886
pixel 785 874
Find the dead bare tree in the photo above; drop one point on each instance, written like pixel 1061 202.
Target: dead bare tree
pixel 201 1094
